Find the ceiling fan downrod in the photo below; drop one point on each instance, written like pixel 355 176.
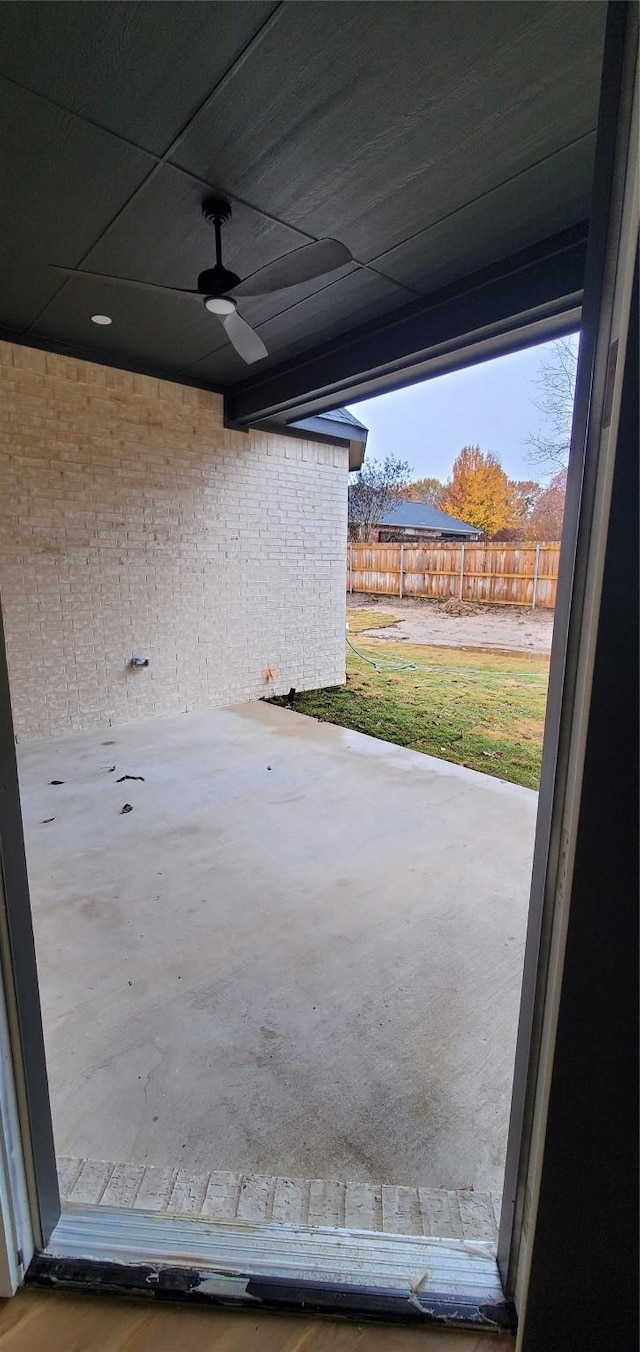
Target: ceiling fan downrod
pixel 218 280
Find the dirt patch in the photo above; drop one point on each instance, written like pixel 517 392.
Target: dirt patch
pixel 455 607
pixel 454 624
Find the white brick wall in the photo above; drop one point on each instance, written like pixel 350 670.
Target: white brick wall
pixel 132 520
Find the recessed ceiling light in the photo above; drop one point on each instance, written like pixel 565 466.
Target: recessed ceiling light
pixel 101 319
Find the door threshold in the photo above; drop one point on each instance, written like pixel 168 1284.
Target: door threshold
pixel 277 1266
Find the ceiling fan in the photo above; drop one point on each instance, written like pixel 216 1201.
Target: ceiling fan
pixel 218 288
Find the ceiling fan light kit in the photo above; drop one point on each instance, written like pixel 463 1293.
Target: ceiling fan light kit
pixel 216 284
pixel 220 305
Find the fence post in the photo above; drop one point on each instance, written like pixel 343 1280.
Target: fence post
pixel 350 568
pixel 461 569
pixel 401 571
pixel 536 570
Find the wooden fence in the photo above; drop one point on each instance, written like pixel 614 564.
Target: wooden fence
pixel 491 574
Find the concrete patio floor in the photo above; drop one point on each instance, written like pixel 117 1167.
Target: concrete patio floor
pixel 300 954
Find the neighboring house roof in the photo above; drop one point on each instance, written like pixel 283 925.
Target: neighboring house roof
pixel 421 515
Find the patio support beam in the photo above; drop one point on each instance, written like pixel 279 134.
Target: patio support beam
pixel 528 297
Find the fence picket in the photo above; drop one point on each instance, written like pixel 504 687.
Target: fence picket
pixel 516 574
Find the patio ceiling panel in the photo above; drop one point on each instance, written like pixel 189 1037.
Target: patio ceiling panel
pixel 431 138
pixel 384 117
pixel 50 161
pixel 535 202
pixel 138 70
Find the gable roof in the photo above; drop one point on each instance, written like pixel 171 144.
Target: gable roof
pixel 338 425
pixel 422 514
pixel 344 416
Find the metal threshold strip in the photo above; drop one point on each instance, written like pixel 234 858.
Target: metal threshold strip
pixel 277 1266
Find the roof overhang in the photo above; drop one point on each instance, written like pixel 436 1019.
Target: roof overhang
pixel 533 296
pixel 327 431
pixel 336 433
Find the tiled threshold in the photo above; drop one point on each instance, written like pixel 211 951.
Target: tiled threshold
pixel 223 1196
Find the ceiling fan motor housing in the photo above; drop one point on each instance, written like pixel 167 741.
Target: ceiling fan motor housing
pixel 217 281
pixel 216 209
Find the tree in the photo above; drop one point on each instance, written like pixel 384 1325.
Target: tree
pixel 556 381
pixel 546 517
pixel 425 490
pixel 479 492
pixel 372 490
pixel 523 494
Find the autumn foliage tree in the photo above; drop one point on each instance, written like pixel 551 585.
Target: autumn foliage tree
pixel 524 494
pixel 425 490
pixel 479 492
pixel 545 521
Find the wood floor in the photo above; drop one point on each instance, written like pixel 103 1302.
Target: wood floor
pixel 55 1321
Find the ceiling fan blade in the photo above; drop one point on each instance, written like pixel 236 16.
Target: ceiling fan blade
pixel 126 281
pixel 247 343
pixel 312 260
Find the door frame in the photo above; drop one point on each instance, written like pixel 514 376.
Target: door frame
pixel 611 254
pixel 26 1129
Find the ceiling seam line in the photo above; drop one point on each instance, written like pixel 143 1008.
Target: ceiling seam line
pixel 242 201
pixel 384 321
pixel 347 340
pixel 147 179
pixel 286 225
pixel 370 264
pixel 338 385
pixel 79 117
pixel 321 290
pixel 344 390
pixel 165 155
pixel 296 230
pixel 393 318
pixel 164 158
pixel 473 200
pixel 229 74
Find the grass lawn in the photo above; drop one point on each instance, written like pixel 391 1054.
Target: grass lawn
pixel 480 709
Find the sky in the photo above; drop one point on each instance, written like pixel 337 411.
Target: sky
pixel 491 405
